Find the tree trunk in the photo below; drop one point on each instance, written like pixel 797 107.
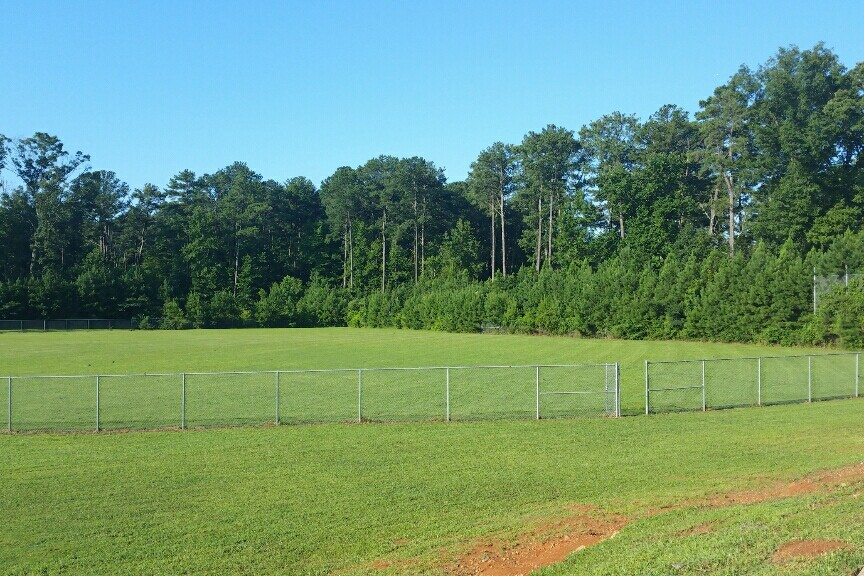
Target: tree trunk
pixel 549 231
pixel 141 245
pixel 494 248
pixel 712 211
pixel 416 239
pixel 383 249
pixel 423 235
pixel 539 231
pixel 503 251
pixel 345 254
pixel 236 264
pixel 730 188
pixel 350 253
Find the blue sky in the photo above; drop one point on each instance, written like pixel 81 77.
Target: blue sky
pixel 300 88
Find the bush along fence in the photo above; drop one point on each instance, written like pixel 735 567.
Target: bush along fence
pixel 680 385
pixel 183 400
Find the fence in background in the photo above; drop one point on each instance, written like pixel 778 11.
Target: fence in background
pixel 66 324
pixel 145 401
pixel 680 385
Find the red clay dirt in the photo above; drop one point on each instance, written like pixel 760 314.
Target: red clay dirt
pixel 806 549
pixel 532 550
pixel 545 545
pixel 812 483
pixel 550 543
pixel 703 528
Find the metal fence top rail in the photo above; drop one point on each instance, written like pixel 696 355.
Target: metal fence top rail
pixel 751 358
pixel 65 319
pixel 320 370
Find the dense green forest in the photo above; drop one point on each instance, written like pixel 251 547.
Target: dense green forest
pixel 703 227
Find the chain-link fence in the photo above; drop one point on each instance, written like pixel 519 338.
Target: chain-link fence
pixel 67 324
pixel 824 284
pixel 147 401
pixel 679 385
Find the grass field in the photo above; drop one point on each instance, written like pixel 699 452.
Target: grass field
pixel 122 352
pixel 414 498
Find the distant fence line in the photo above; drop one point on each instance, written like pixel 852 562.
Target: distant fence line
pixel 826 283
pixel 679 385
pixel 200 399
pixel 62 324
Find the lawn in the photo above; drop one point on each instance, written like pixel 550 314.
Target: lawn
pixel 414 498
pixel 320 499
pixel 123 352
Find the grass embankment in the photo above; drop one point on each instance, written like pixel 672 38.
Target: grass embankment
pixel 121 352
pixel 314 499
pixel 411 498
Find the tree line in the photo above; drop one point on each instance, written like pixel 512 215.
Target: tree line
pixel 675 226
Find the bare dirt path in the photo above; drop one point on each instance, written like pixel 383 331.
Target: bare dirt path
pixel 548 543
pixel 551 543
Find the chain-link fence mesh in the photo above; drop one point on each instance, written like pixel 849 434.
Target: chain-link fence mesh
pixel 588 390
pixel 318 396
pixel 145 401
pixel 140 401
pixel 5 387
pixel 230 399
pixel 833 376
pixel 53 403
pixel 66 324
pixel 732 382
pixel 673 386
pixel 784 380
pixel 493 393
pixel 404 395
pixel 824 284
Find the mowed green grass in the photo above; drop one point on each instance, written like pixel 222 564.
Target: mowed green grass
pixel 355 499
pixel 123 352
pixel 346 498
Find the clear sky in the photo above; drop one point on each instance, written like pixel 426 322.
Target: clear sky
pixel 149 88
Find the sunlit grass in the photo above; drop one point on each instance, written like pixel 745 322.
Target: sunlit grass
pixel 340 497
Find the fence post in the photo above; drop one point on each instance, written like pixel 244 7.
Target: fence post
pixel 447 395
pixel 9 422
pixel 703 386
pixel 617 390
pixel 183 404
pixel 606 387
pixel 809 378
pixel 537 384
pixel 277 397
pixel 857 358
pixel 647 390
pixel 759 381
pixel 814 290
pixel 360 395
pixel 97 403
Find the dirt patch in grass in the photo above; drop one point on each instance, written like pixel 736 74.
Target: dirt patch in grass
pixel 704 528
pixel 812 483
pixel 546 544
pixel 806 549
